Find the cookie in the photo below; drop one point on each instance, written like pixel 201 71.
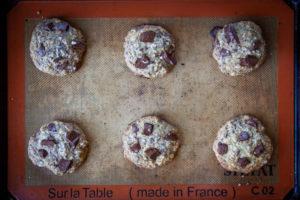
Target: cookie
pixel 150 142
pixel 59 146
pixel 149 51
pixel 56 47
pixel 242 146
pixel 239 48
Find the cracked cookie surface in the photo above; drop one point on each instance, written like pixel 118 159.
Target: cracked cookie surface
pixel 150 142
pixel 59 146
pixel 241 145
pixel 149 51
pixel 56 47
pixel 239 47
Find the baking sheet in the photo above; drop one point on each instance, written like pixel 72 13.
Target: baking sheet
pixel 104 96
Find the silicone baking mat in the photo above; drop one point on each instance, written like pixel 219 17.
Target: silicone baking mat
pixel 104 96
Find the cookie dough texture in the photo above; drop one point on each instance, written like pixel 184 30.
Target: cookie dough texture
pixel 239 48
pixel 56 47
pixel 59 146
pixel 242 146
pixel 150 142
pixel 149 51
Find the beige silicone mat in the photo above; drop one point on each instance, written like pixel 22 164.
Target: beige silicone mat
pixel 104 96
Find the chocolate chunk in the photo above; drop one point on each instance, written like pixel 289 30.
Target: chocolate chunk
pixel 63 27
pixel 147 36
pixel 256 45
pixel 136 147
pixel 243 162
pixel 49 27
pixel 42 51
pixel 258 150
pixel 172 58
pixel 56 60
pixel 135 128
pixel 152 153
pixel 251 122
pixel 249 61
pixel 214 31
pixel 222 148
pixel 73 138
pixel 230 34
pixel 49 142
pixel 225 52
pixel 64 165
pixel 76 65
pixel 243 136
pixel 171 137
pixel 142 62
pixel 62 66
pixel 148 128
pixel 79 46
pixel 169 58
pixel 43 153
pixel 52 127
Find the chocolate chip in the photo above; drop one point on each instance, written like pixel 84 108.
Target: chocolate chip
pixel 214 31
pixel 52 127
pixel 142 62
pixel 73 138
pixel 230 34
pixel 42 51
pixel 43 153
pixel 135 128
pixel 169 58
pixel 249 61
pixel 49 142
pixel 251 122
pixel 147 36
pixel 225 52
pixel 62 66
pixel 49 27
pixel 136 147
pixel 258 150
pixel 148 128
pixel 243 162
pixel 256 45
pixel 171 137
pixel 79 46
pixel 152 153
pixel 222 148
pixel 64 165
pixel 63 27
pixel 243 136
